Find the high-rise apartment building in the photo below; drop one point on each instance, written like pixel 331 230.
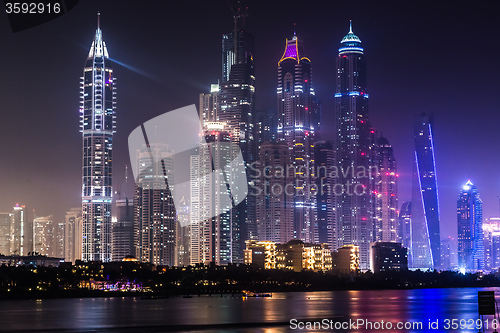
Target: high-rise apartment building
pixel 154 211
pixel 195 224
pixel 21 231
pixel 122 237
pixel 274 191
pixel 236 109
pixel 405 226
pixel 355 216
pixel 491 235
pixel 73 235
pixel 5 233
pixel 449 257
pixel 296 103
pixel 386 193
pixel 425 242
pixel 97 124
pixel 45 240
pixel 470 229
pixel 324 156
pixel 215 203
pixel 266 124
pixel 183 233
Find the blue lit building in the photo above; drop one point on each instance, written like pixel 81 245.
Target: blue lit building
pixel 354 142
pixel 470 229
pixel 324 156
pixel 97 124
pixel 296 111
pixel 404 228
pixel 425 242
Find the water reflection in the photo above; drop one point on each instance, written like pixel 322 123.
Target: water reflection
pixel 235 314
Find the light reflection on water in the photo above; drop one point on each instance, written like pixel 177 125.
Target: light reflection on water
pixel 234 314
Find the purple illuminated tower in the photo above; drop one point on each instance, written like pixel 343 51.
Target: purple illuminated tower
pixel 296 109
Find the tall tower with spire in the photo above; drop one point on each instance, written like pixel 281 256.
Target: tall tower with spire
pixel 97 125
pixel 296 106
pixel 353 143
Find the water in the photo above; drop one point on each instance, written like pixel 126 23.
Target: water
pixel 228 314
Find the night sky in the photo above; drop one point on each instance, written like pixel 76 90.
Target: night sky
pixel 421 56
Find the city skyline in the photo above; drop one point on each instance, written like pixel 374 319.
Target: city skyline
pixel 129 107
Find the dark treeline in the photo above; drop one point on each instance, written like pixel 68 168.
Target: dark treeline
pixel 68 281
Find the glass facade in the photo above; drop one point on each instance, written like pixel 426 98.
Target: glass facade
pixel 354 141
pixel 425 240
pixel 296 105
pixel 97 124
pixel 470 229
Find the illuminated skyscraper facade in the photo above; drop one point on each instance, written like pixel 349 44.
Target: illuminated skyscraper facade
pixel 123 230
pixel 45 238
pixel 5 233
pixel 216 215
pixel 324 156
pixel 296 103
pixel 491 234
pixel 236 109
pixel 21 231
pixel 470 229
pixel 154 211
pixel 386 193
pixel 355 216
pixel 73 231
pixel 97 124
pixel 405 226
pixel 275 194
pixel 425 242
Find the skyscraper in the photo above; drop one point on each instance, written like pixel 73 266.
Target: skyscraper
pixel 355 216
pixel 425 202
pixel 266 124
pixel 97 124
pixel 275 193
pixel 236 110
pixel 296 103
pixel 73 231
pixel 122 237
pixel 491 234
pixel 154 211
pixel 324 156
pixel 470 229
pixel 386 193
pixel 44 228
pixel 21 231
pixel 405 226
pixel 183 233
pixel 215 203
pixel 209 104
pixel 5 233
pixel 195 223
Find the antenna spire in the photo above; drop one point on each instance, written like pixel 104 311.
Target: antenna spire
pixel 98 20
pixel 350 26
pixel 294 29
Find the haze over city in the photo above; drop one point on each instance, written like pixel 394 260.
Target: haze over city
pixel 430 58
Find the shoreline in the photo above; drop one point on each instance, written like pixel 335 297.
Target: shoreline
pixel 37 295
